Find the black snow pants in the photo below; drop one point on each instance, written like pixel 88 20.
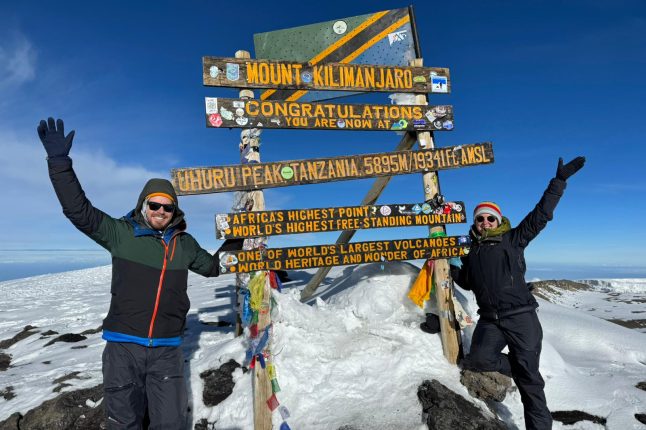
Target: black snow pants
pixel 136 378
pixel 523 334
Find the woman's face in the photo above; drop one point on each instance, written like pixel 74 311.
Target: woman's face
pixel 485 222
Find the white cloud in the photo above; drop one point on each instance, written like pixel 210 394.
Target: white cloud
pixel 33 214
pixel 17 61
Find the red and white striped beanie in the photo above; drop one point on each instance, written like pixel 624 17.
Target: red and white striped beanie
pixel 488 208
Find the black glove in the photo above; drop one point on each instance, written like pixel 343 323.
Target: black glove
pixel 563 172
pixel 53 137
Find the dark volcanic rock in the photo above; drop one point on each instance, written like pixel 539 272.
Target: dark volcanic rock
pixel 67 337
pixel 25 333
pixel 48 333
pixel 68 411
pixel 641 385
pixel 93 330
pixel 445 409
pixel 641 418
pixel 548 289
pixel 7 393
pixel 486 385
pixel 571 417
pixel 11 423
pixel 218 383
pixel 204 424
pixel 5 361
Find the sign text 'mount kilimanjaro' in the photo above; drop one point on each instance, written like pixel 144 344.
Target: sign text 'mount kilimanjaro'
pixel 242 73
pixel 342 254
pixel 239 113
pixel 202 180
pixel 293 221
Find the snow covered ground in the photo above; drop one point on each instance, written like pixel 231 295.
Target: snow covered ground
pixel 354 356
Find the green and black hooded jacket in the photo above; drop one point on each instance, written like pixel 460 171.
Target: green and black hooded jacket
pixel 149 267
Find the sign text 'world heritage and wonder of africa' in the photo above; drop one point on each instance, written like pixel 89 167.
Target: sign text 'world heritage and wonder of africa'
pixel 343 254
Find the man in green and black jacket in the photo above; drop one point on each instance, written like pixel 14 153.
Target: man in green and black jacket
pixel 151 256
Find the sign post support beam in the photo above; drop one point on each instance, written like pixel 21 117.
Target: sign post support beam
pixel 441 275
pixel 249 152
pixel 377 188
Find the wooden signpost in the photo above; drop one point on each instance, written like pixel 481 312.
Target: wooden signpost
pixel 236 113
pixel 305 257
pixel 327 70
pixel 201 180
pixel 242 73
pixel 294 221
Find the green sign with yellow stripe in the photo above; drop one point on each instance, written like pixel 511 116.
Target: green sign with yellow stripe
pixel 381 38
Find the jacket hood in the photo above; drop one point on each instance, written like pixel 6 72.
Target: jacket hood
pixel 159 185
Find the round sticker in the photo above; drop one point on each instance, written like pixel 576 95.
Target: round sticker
pixel 287 172
pixel 385 210
pixel 340 27
pixel 306 77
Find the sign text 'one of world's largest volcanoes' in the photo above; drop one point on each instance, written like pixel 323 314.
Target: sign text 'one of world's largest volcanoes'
pixel 216 179
pixel 341 254
pixel 243 73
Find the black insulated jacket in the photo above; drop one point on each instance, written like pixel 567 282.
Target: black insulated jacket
pixel 495 267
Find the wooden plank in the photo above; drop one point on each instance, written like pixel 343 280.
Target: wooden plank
pixel 236 113
pixel 202 180
pixel 304 257
pixel 316 220
pixel 449 335
pixel 243 73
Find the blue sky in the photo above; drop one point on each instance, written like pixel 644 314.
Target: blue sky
pixel 538 79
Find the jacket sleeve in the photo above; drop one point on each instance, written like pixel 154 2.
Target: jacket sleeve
pixel 209 265
pixel 459 274
pixel 537 219
pixel 76 207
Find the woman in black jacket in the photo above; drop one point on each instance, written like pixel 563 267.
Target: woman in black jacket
pixel 494 270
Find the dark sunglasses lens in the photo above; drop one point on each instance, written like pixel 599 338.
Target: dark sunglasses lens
pixel 155 206
pixel 490 218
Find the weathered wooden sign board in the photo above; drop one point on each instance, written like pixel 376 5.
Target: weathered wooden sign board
pixel 242 73
pixel 385 37
pixel 293 221
pixel 342 254
pixel 238 113
pixel 202 180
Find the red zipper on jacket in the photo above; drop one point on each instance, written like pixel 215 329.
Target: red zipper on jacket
pixel 159 288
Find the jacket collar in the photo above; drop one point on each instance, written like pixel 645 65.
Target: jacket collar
pixel 143 230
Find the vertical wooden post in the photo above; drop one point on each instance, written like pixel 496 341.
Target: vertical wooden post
pixel 443 285
pixel 255 201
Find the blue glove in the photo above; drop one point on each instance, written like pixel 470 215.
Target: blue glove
pixel 53 137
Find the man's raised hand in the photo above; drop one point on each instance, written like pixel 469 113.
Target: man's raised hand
pixel 52 134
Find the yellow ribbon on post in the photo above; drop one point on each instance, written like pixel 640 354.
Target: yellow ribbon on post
pixel 420 292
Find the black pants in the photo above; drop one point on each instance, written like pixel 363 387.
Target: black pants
pixel 523 334
pixel 136 378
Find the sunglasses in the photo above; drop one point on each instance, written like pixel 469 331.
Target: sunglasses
pixel 490 218
pixel 154 206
